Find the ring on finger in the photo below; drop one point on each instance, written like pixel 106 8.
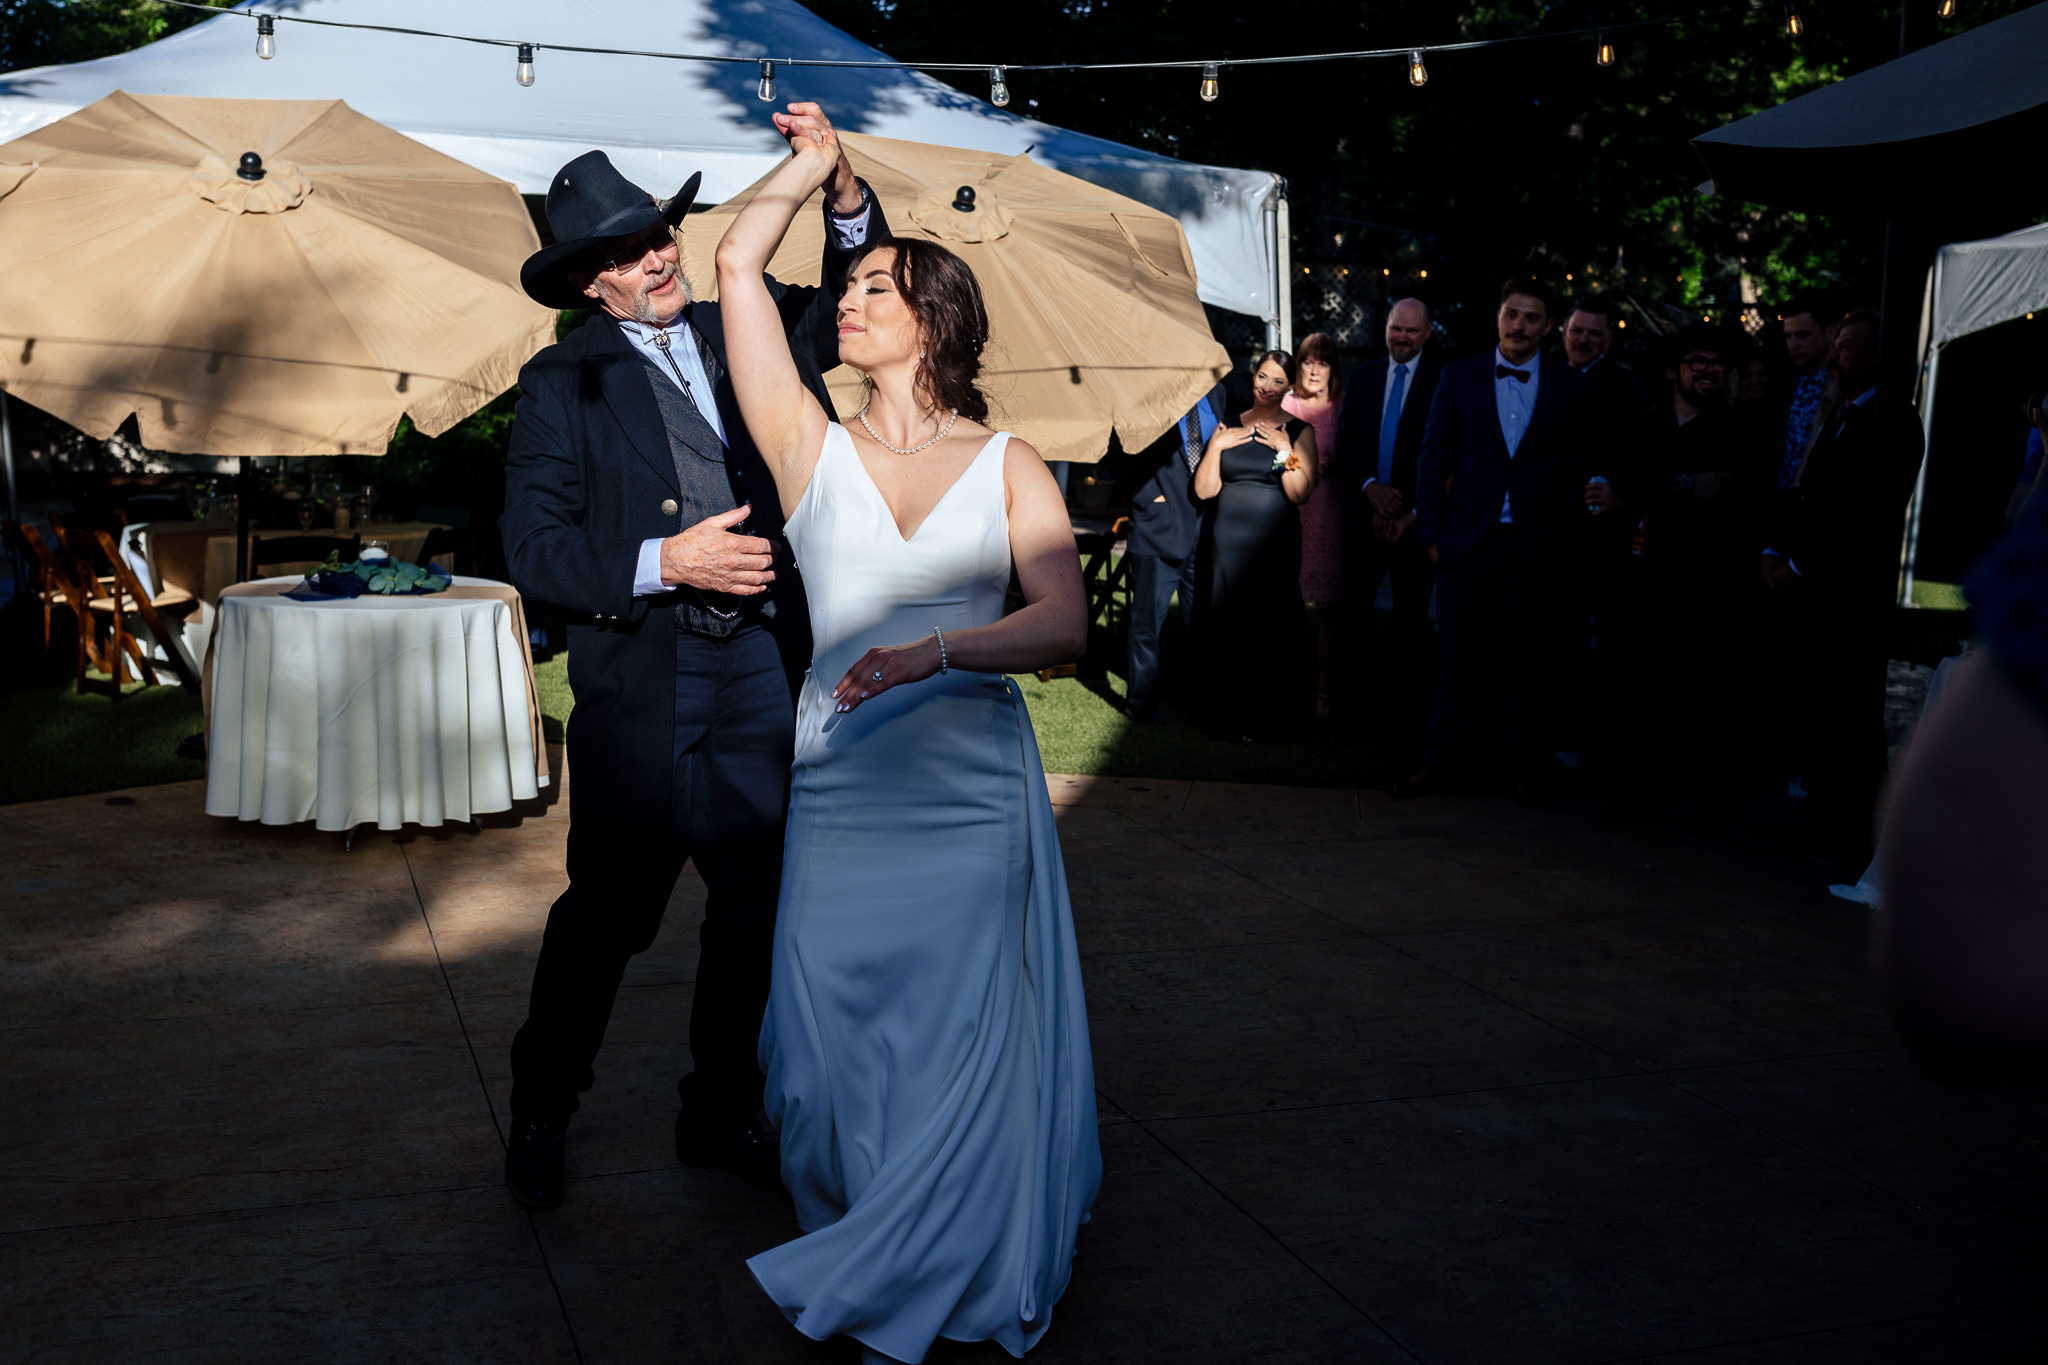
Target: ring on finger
pixel 877 675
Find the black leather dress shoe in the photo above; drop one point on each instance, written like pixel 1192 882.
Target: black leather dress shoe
pixel 536 1163
pixel 1421 782
pixel 752 1156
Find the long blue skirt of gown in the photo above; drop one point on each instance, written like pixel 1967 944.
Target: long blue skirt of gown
pixel 926 1040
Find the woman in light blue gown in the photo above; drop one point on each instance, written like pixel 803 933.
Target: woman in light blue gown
pixel 926 1042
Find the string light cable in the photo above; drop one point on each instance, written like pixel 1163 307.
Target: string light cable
pixel 1410 54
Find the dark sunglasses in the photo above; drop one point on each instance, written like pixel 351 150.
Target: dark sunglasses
pixel 625 260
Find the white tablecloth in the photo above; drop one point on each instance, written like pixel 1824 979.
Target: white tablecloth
pixel 392 711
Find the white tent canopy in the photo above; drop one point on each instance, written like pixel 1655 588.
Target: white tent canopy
pixel 1981 284
pixel 1972 286
pixel 659 120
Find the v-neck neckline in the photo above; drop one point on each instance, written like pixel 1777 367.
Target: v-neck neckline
pixel 883 498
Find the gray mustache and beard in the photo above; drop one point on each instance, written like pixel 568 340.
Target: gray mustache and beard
pixel 638 304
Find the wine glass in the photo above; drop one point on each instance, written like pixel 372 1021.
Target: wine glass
pixel 305 509
pixel 369 503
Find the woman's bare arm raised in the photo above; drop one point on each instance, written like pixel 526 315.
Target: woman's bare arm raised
pixel 786 422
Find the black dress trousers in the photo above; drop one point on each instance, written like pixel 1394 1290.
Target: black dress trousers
pixel 735 734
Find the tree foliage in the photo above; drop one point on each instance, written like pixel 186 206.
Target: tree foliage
pixel 1525 157
pixel 54 32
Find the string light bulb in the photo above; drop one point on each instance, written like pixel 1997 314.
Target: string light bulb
pixel 523 73
pixel 1418 74
pixel 266 36
pixel 1794 25
pixel 1947 10
pixel 998 88
pixel 1604 54
pixel 765 91
pixel 1211 86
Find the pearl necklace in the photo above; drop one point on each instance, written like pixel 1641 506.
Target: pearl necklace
pixel 862 417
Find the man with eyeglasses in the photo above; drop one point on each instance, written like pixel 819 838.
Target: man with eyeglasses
pixel 1701 601
pixel 636 501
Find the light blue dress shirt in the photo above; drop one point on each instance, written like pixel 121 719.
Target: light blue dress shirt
pixel 1514 401
pixel 1393 402
pixel 683 349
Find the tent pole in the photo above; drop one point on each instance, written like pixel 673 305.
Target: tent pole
pixel 1930 368
pixel 1910 263
pixel 245 483
pixel 1274 253
pixel 1283 231
pixel 1910 552
pixel 7 458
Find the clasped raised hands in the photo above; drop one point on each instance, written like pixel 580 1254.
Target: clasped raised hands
pixel 809 132
pixel 715 558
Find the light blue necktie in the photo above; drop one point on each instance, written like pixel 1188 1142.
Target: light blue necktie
pixel 1390 420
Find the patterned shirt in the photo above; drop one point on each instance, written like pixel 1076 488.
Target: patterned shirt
pixel 1806 395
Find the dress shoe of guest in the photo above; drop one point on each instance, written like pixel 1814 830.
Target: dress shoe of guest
pixel 536 1163
pixel 753 1156
pixel 1421 782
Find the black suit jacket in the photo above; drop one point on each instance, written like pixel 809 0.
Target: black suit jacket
pixel 587 472
pixel 1164 518
pixel 1358 429
pixel 1841 525
pixel 1464 470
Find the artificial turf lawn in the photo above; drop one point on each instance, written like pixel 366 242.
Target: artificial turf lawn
pixel 54 742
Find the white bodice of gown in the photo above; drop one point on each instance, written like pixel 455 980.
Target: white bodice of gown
pixel 869 586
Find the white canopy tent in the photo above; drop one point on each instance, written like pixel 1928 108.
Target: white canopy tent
pixel 659 120
pixel 1972 286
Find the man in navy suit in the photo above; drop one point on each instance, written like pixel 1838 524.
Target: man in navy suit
pixel 634 499
pixel 1379 437
pixel 1500 484
pixel 1161 546
pixel 1833 555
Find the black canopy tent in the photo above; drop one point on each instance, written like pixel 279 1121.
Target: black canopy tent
pixel 1941 143
pixel 1957 123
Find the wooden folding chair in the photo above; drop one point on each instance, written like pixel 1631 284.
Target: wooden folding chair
pixel 75 584
pixel 129 595
pixel 299 550
pixel 439 544
pixel 50 580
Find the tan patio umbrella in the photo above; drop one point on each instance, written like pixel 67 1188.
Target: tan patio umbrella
pixel 1094 325
pixel 293 304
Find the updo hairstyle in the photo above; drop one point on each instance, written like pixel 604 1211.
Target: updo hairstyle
pixel 942 294
pixel 1283 359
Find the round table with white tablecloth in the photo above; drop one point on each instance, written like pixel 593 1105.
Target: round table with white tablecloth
pixel 370 710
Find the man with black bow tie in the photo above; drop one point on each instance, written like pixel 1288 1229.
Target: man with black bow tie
pixel 635 499
pixel 1502 474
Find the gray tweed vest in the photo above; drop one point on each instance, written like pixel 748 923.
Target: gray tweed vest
pixel 706 490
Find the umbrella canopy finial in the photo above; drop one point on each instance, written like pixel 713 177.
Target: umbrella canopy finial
pixel 252 167
pixel 963 199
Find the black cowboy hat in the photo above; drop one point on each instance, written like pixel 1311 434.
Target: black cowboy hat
pixel 589 204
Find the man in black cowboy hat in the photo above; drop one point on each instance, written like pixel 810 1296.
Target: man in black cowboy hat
pixel 636 501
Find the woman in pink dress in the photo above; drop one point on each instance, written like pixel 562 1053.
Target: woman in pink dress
pixel 1317 396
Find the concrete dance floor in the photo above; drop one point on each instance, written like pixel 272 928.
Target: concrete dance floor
pixel 1443 1081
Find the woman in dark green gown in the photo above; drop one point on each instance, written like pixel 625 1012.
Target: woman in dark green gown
pixel 1253 477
